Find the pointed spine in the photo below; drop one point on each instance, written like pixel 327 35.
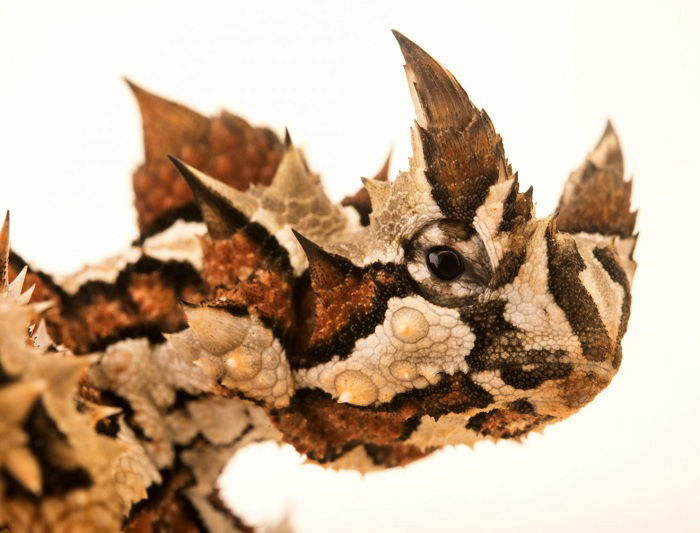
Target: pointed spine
pixel 596 198
pixel 379 193
pixel 292 178
pixel 224 209
pixel 327 270
pixel 455 145
pixel 166 125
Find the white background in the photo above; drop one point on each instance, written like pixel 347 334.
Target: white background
pixel 549 74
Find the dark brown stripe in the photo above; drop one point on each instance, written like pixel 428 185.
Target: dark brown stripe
pixel 612 267
pixel 564 263
pixel 388 281
pixel 459 176
pixel 57 478
pixel 102 313
pixel 188 213
pixel 508 268
pixel 499 346
pixel 510 423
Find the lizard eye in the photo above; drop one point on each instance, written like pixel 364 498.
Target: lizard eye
pixel 444 262
pixel 447 263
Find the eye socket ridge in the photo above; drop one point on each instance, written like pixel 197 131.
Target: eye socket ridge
pixel 445 262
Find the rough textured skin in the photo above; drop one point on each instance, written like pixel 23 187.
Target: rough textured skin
pixel 225 147
pixel 427 311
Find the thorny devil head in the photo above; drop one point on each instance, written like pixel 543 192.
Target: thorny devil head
pixel 453 315
pixel 431 310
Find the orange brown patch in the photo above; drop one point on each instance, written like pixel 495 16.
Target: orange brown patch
pixel 336 307
pixel 324 430
pixel 143 301
pixel 239 272
pixel 155 302
pixel 230 261
pixel 225 147
pixel 342 304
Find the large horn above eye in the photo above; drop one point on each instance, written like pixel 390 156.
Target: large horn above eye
pixel 455 144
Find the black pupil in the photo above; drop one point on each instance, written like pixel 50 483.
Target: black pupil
pixel 445 263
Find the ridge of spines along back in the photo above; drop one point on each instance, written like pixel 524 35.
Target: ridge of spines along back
pixel 457 146
pixel 224 146
pixel 596 197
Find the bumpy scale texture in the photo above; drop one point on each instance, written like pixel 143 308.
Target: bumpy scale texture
pixel 430 310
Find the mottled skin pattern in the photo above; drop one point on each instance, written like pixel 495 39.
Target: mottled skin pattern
pixel 430 310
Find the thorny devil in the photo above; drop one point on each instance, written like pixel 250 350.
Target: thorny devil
pixel 422 312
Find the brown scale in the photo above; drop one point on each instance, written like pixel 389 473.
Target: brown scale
pixel 322 428
pixel 225 147
pixel 507 423
pixel 338 304
pixel 243 265
pixel 599 200
pixel 237 272
pixel 139 302
pixel 319 426
pixel 5 251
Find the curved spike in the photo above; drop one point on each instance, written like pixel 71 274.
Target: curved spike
pixel 41 336
pixel 455 145
pixel 5 251
pixel 517 208
pixel 224 209
pixel 24 298
pixel 607 153
pixel 596 198
pixel 553 224
pixel 363 201
pixel 166 125
pixel 292 177
pixel 287 138
pixel 327 270
pixel 14 289
pixel 439 99
pixel 379 193
pixel 97 412
pixel 383 173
